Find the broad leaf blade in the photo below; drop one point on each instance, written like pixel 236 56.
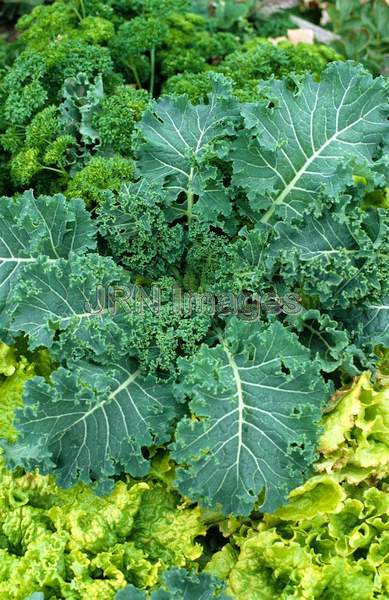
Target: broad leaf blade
pixel 178 145
pixel 308 143
pixel 31 228
pixel 64 295
pixel 340 258
pixel 92 422
pixel 375 323
pixel 256 402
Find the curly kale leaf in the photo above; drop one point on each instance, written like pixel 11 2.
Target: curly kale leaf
pixel 310 141
pixel 137 232
pixel 87 307
pixel 339 258
pixel 65 296
pixel 82 100
pixel 256 402
pixel 326 339
pixel 179 584
pixel 33 228
pixel 369 323
pixel 374 324
pixel 179 143
pixel 114 405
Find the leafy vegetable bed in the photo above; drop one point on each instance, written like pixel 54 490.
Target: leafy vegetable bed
pixel 193 307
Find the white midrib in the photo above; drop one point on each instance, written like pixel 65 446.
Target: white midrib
pixel 239 390
pixel 15 259
pixel 111 396
pixel 101 404
pixel 378 306
pixel 305 166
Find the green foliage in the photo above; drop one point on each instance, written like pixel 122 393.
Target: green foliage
pixel 23 237
pixel 347 127
pixel 190 47
pixel 363 27
pixel 177 152
pixel 135 227
pixel 215 266
pixel 117 117
pixel 247 66
pixel 354 445
pixel 357 263
pixel 98 175
pixel 45 23
pixel 338 549
pixel 45 147
pixel 82 100
pixel 331 537
pixel 259 59
pixel 225 14
pixel 73 543
pixel 17 366
pixel 74 56
pixel 24 88
pixel 111 397
pixel 179 584
pixel 222 205
pixel 274 27
pixel 231 456
pixel 196 86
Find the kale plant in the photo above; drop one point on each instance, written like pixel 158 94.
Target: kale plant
pixel 211 305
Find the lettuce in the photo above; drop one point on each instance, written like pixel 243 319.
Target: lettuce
pixel 73 543
pixel 330 540
pixel 301 552
pixel 355 441
pixel 330 536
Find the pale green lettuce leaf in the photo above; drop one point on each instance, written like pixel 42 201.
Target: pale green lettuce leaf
pixel 356 433
pixel 166 529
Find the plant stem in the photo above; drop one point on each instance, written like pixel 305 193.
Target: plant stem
pixel 61 171
pixel 190 196
pixel 136 76
pixel 152 69
pixel 83 12
pixel 268 214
